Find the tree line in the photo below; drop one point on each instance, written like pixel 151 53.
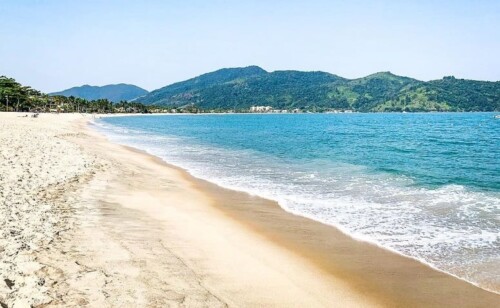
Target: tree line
pixel 15 97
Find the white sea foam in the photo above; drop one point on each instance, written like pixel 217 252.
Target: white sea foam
pixel 450 228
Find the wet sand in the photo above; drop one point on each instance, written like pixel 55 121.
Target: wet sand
pixel 141 232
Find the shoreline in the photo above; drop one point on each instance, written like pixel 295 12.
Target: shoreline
pixel 274 202
pixel 130 229
pixel 215 191
pixel 236 264
pixel 207 185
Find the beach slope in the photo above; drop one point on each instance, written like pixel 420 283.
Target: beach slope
pixel 88 222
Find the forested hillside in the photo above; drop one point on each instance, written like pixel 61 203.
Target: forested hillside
pixel 238 89
pixel 241 88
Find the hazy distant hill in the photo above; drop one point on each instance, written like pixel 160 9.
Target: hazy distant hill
pixel 241 88
pixel 114 92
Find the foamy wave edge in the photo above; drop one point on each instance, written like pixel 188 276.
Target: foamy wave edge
pixel 358 237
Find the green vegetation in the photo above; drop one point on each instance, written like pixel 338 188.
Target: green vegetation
pixel 181 91
pixel 237 89
pixel 16 97
pixel 240 88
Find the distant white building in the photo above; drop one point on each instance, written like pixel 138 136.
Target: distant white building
pixel 261 109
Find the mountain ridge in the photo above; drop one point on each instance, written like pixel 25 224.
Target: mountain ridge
pixel 112 92
pixel 242 87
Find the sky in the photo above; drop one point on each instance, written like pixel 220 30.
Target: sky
pixel 53 45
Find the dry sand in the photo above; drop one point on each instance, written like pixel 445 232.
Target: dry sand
pixel 88 222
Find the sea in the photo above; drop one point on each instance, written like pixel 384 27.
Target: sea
pixel 424 185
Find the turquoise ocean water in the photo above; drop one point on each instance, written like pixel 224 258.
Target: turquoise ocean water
pixel 423 185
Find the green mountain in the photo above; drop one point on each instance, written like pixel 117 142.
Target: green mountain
pixel 447 94
pixel 114 92
pixel 180 91
pixel 241 88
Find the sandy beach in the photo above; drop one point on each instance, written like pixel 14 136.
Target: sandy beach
pixel 86 222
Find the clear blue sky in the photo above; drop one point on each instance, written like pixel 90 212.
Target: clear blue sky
pixel 52 45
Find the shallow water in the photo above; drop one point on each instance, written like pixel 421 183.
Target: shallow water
pixel 423 185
